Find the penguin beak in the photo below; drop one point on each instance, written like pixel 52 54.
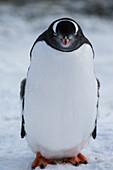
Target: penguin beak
pixel 65 40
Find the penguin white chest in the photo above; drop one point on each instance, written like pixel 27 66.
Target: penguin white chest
pixel 60 100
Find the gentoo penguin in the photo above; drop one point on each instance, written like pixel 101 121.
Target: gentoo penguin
pixel 60 95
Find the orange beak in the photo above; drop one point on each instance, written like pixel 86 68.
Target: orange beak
pixel 65 40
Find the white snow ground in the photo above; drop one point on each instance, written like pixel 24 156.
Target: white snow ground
pixel 17 34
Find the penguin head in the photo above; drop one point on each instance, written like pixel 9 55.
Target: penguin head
pixel 65 35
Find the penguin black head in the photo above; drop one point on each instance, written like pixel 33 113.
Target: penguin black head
pixel 65 35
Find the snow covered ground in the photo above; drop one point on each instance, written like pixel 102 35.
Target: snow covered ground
pixel 17 34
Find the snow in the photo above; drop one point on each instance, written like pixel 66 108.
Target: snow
pixel 16 37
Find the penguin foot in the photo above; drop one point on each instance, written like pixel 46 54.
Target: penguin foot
pixel 82 158
pixel 41 161
pixel 76 160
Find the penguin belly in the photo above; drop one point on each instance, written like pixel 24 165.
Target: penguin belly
pixel 60 101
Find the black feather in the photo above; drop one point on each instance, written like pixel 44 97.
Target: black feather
pixel 22 93
pixel 94 133
pixel 23 133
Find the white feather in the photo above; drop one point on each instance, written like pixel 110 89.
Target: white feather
pixel 60 100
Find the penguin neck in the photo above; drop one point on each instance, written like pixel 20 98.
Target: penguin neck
pixel 44 37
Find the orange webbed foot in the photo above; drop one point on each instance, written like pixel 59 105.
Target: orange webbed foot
pixel 82 158
pixel 41 161
pixel 76 160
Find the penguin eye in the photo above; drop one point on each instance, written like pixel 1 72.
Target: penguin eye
pixel 55 33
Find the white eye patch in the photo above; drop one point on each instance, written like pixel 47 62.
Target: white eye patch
pixel 56 23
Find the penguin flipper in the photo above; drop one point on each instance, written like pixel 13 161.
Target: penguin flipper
pixel 98 87
pixel 23 133
pixel 94 133
pixel 22 93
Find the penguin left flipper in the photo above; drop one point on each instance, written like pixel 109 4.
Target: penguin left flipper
pixel 22 93
pixel 98 95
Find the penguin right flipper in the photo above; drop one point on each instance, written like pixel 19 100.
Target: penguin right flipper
pixel 22 93
pixel 98 95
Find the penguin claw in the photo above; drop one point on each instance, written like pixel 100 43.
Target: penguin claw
pixel 76 163
pixel 53 163
pixel 65 161
pixel 85 162
pixel 42 166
